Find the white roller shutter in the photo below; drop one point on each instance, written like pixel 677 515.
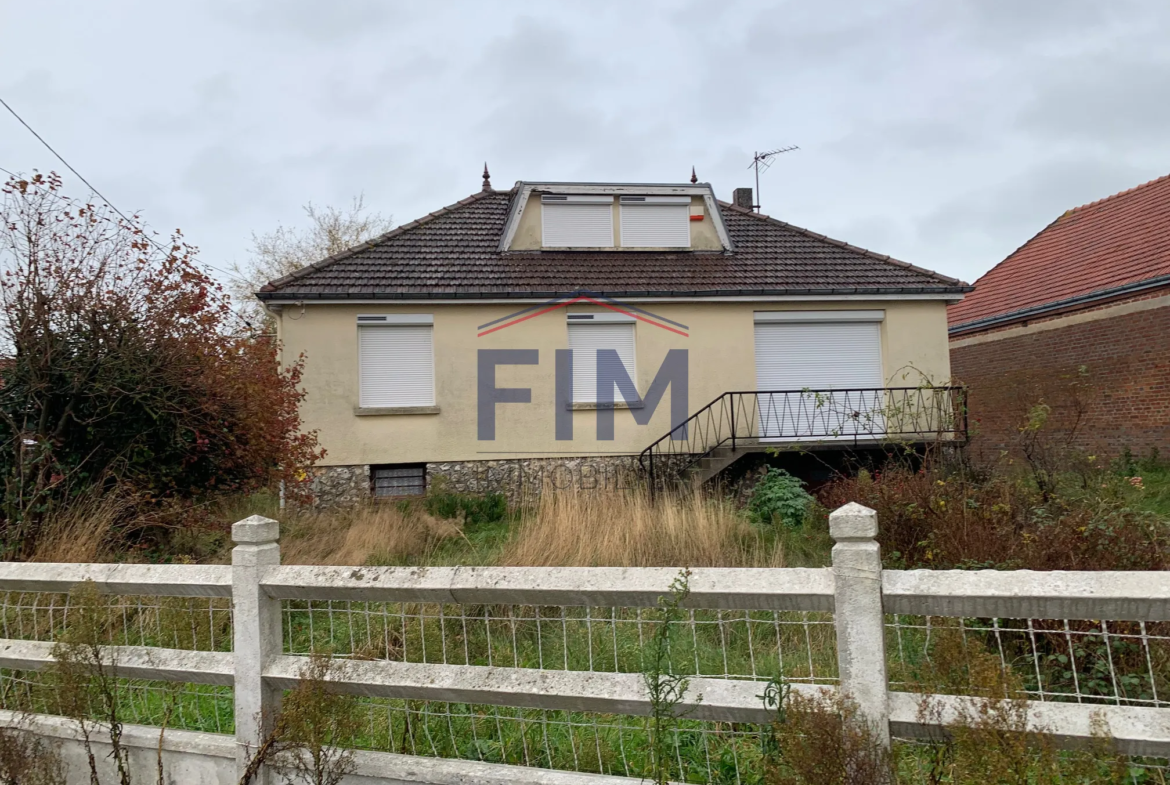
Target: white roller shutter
pixel 396 366
pixel 585 340
pixel 576 223
pixel 656 223
pixel 819 356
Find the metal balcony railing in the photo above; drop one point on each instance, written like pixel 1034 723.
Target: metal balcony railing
pixel 756 420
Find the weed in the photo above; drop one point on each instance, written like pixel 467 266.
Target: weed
pixel 25 758
pixel 992 739
pixel 319 726
pixel 779 498
pixel 310 738
pixel 821 739
pixel 665 687
pixel 83 674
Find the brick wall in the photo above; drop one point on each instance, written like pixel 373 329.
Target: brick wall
pixel 1122 393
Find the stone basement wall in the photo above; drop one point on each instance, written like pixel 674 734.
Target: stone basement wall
pixel 528 477
pixel 1125 387
pixel 340 486
pixel 336 486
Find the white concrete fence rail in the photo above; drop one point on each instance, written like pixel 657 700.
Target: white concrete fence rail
pixel 855 589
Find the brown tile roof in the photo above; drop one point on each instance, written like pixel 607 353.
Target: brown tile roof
pixel 1120 241
pixel 454 253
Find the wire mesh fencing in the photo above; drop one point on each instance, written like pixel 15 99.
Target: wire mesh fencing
pixel 1106 662
pixel 1115 664
pixel 584 742
pixel 798 646
pixel 185 623
pixel 195 707
pixel 194 623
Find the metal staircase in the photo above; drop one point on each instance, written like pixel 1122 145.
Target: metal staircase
pixel 741 423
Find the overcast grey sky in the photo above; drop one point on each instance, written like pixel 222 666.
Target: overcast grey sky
pixel 942 133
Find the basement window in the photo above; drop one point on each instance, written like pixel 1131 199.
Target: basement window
pixel 402 479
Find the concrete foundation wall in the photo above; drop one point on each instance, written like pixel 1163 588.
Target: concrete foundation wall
pixel 191 758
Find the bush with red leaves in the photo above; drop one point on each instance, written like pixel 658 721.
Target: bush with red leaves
pixel 127 368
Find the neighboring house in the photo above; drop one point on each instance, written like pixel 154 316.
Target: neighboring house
pixel 597 280
pixel 1078 319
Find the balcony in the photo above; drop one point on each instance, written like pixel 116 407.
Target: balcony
pixel 739 423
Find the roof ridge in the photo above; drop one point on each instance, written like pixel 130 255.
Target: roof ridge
pixel 276 283
pixel 1061 217
pixel 1117 195
pixel 1021 247
pixel 843 244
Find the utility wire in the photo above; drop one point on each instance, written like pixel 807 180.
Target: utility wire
pixel 101 196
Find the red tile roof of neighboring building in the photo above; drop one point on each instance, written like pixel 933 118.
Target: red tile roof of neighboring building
pixel 1118 241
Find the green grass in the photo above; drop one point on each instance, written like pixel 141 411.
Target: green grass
pixel 1155 497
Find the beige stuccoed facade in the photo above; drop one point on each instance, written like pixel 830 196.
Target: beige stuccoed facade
pixel 721 358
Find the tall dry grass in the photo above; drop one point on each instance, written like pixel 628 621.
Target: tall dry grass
pixel 83 530
pixel 616 529
pixel 373 533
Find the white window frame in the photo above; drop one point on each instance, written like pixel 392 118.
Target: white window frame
pixel 391 321
pixel 585 320
pixel 568 199
pixel 638 202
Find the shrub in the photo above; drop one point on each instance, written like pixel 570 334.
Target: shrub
pixel 779 498
pixel 933 520
pixel 126 370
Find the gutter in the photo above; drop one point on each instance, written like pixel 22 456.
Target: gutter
pixel 1059 305
pixel 550 294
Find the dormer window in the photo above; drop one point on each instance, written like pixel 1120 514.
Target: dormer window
pixel 614 217
pixel 656 221
pixel 577 221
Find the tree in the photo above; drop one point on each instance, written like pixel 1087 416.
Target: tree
pixel 277 253
pixel 126 369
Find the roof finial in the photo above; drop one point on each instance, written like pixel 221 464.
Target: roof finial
pixel 694 177
pixel 487 178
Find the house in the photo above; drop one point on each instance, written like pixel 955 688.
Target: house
pixel 553 332
pixel 1076 320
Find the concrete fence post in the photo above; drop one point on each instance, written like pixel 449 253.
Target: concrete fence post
pixel 256 636
pixel 861 640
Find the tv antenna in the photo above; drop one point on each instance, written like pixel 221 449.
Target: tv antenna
pixel 765 160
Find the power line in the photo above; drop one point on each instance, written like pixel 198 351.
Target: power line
pixel 101 196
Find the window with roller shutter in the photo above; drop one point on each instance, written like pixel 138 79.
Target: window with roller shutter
pixel 396 365
pixel 656 221
pixel 821 351
pixel 586 337
pixel 576 221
